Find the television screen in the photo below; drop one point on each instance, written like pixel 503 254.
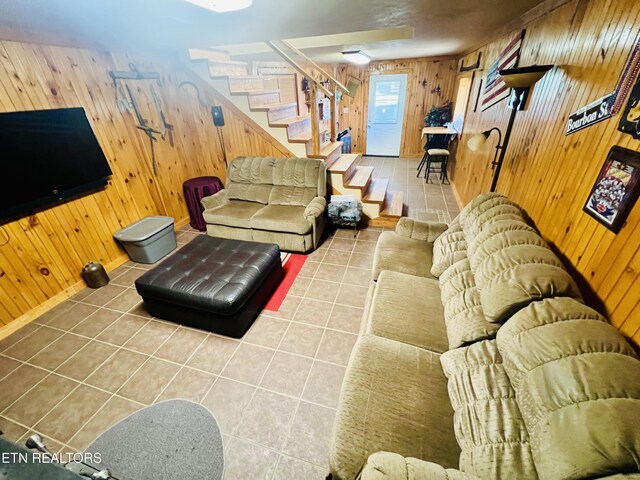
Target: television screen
pixel 48 156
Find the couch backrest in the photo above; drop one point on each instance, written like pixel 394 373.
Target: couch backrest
pixel 297 181
pixel 278 181
pixel 491 263
pixel 577 383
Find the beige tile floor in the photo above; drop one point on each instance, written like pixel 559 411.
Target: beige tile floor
pixel 99 356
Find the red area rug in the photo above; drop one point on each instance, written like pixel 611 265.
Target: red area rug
pixel 291 264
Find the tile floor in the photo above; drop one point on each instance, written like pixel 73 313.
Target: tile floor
pixel 100 356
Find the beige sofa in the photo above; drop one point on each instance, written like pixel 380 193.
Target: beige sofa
pixel 483 362
pixel 270 200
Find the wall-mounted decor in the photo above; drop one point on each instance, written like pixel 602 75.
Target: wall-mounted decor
pixel 352 85
pixel 590 114
pixel 630 119
pixel 607 106
pixel 495 89
pixel 468 68
pixel 616 189
pixel 151 121
pixel 625 81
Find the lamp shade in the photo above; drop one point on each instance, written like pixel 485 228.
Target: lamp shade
pixel 477 141
pixel 525 76
pixel 222 6
pixel 357 56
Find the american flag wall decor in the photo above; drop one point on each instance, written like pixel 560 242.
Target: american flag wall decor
pixel 495 89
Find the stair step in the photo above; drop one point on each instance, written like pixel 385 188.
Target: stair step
pixel 230 62
pixel 303 137
pixel 343 164
pixel 227 69
pixel 243 84
pixel 328 150
pixel 361 178
pixel 209 54
pixel 393 205
pixel 274 107
pixel 262 92
pixel 377 192
pixel 287 122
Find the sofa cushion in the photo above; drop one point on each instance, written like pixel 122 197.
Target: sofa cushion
pixel 513 266
pixel 281 218
pixel 448 248
pixel 250 179
pixel 394 398
pixel 234 213
pixel 486 208
pixel 495 228
pixel 297 181
pixel 463 312
pixel 577 382
pixel 408 309
pixel 400 254
pixel 391 466
pixel 488 422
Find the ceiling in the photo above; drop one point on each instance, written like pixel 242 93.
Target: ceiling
pixel 431 27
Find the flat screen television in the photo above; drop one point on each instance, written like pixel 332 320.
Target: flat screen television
pixel 47 157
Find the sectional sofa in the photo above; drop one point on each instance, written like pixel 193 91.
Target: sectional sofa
pixel 479 360
pixel 270 200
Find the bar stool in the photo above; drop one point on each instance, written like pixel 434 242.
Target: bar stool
pixel 435 151
pixel 437 155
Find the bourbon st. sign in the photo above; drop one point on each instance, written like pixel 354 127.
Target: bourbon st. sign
pixel 590 114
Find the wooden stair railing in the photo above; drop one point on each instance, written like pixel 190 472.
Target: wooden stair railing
pixel 337 85
pixel 315 86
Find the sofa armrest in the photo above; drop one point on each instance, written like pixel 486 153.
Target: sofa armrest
pixel 392 466
pixel 419 230
pixel 315 209
pixel 215 200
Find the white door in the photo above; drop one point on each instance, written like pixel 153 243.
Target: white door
pixel 386 113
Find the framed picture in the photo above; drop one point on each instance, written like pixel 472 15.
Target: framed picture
pixel 616 189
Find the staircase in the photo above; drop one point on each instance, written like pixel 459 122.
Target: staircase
pixel 259 97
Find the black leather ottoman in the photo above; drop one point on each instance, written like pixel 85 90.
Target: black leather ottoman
pixel 213 283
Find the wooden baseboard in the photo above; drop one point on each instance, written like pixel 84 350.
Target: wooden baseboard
pixel 181 223
pixel 457 195
pixel 48 304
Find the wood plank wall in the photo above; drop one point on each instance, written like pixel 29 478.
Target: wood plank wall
pixel 418 103
pixel 41 256
pixel 551 174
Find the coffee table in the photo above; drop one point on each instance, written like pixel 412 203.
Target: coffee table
pixel 212 283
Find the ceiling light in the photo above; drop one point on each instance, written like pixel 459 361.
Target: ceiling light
pixel 357 56
pixel 222 6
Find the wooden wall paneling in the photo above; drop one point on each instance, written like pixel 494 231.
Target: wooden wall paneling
pixel 419 99
pixel 551 174
pixel 40 264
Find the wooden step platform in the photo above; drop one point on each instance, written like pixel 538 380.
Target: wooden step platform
pixel 209 54
pixel 218 68
pixel 286 122
pixel 303 137
pixel 255 93
pixel 377 192
pixel 273 107
pixel 361 178
pixel 393 205
pixel 344 163
pixel 327 150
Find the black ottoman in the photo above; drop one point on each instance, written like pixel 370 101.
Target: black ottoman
pixel 213 283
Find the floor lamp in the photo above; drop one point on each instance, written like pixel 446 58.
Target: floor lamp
pixel 520 80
